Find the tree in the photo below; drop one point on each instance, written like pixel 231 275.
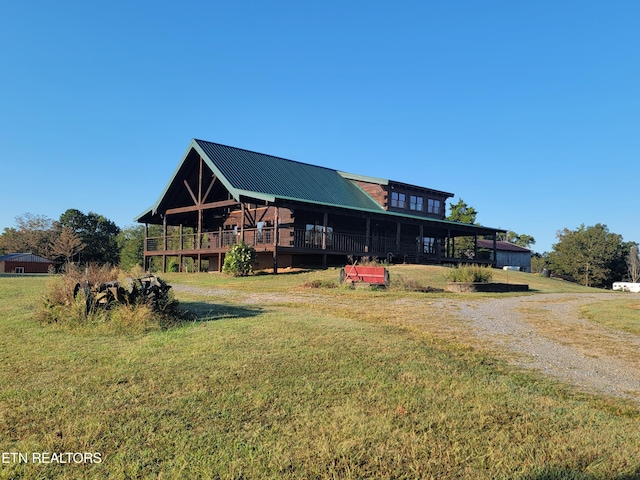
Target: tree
pixel 589 255
pixel 33 234
pixel 66 244
pixel 633 264
pixel 96 232
pixel 131 245
pixel 462 213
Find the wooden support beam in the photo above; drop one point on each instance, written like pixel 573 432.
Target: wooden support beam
pixel 193 197
pixel 199 202
pixel 206 194
pixel 204 206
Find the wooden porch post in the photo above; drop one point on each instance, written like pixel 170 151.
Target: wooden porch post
pixel 164 243
pixel 325 221
pixel 242 213
pixel 495 249
pixel 448 245
pixel 146 246
pixel 275 241
pixel 164 233
pixel 420 244
pixel 475 246
pixel 397 237
pixel 199 235
pixel 367 235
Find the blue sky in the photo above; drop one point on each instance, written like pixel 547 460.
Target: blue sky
pixel 528 111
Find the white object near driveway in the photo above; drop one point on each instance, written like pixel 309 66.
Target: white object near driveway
pixel 627 287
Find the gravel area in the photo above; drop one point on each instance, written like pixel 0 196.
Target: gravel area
pixel 504 323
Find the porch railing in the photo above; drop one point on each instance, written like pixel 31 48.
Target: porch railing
pixel 298 238
pixel 210 240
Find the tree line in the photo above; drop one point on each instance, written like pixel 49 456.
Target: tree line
pixel 75 237
pixel 590 255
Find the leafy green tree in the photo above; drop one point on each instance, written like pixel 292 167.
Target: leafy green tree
pixel 131 246
pixel 238 260
pixel 97 232
pixel 592 256
pixel 539 261
pixel 461 212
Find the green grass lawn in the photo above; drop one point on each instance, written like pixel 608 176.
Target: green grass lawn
pixel 285 381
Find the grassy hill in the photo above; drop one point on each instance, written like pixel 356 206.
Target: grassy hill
pixel 277 379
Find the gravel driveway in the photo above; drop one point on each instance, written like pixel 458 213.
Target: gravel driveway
pixel 609 363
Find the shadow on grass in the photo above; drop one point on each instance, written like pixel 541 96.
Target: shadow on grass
pixel 562 473
pixel 208 312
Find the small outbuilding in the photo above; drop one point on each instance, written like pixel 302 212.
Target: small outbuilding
pixel 25 263
pixel 507 254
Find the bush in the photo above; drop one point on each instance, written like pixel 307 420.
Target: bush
pixel 238 260
pixel 470 273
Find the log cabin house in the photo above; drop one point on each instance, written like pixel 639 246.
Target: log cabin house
pixel 296 214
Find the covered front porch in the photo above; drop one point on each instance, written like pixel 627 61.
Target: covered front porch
pixel 319 245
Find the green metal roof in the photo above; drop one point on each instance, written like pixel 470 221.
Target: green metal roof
pixel 267 177
pixel 253 175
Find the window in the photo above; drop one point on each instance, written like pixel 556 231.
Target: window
pixel 398 200
pixel 259 232
pixel 313 236
pixel 428 245
pixel 415 203
pixel 19 270
pixel 434 206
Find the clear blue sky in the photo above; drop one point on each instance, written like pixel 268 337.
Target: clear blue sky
pixel 528 111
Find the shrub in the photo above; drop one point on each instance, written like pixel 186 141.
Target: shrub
pixel 470 273
pixel 238 260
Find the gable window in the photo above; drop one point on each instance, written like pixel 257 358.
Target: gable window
pixel 416 203
pixel 434 206
pixel 398 200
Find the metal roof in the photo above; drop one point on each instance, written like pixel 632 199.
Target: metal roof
pixel 251 175
pixel 24 257
pixel 502 245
